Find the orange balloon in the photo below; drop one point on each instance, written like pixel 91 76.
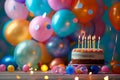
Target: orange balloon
pixel 114 15
pixel 17 31
pixel 85 10
pixel 116 69
pixel 45 56
pixel 55 62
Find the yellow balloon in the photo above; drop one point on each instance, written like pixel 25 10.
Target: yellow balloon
pixel 11 68
pixel 17 31
pixel 44 68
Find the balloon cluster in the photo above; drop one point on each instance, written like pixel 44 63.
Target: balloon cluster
pixel 54 26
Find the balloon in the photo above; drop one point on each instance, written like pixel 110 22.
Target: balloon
pixel 40 28
pixel 84 29
pixel 101 9
pixel 17 31
pixel 62 23
pixel 58 47
pixel 114 15
pixel 116 69
pixel 15 10
pixel 2 68
pixel 60 4
pixel 21 1
pixel 45 56
pixel 10 68
pixel 9 60
pixel 100 27
pixel 27 52
pixel 44 68
pixel 25 68
pixel 56 62
pixel 38 7
pixel 85 10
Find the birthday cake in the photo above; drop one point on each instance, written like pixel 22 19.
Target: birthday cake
pixel 88 55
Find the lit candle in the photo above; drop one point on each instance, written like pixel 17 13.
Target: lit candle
pixel 93 40
pixel 82 42
pixel 79 41
pixel 90 75
pixel 106 78
pixel 99 42
pixel 85 42
pixel 90 40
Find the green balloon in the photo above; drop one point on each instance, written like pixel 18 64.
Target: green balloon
pixel 27 52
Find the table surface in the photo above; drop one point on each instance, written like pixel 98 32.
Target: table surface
pixel 41 76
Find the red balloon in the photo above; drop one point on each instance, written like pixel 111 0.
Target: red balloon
pixel 55 62
pixel 116 69
pixel 114 15
pixel 85 10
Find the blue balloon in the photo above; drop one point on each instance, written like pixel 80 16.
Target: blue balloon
pixel 70 69
pixel 38 7
pixel 9 60
pixel 63 23
pixel 58 47
pixel 94 69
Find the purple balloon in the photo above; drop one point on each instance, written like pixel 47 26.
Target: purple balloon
pixel 99 27
pixel 58 47
pixel 21 1
pixel 100 9
pixel 84 29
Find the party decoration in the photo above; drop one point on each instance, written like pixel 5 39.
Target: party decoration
pixel 62 23
pixel 94 69
pixel 17 31
pixel 25 68
pixel 9 60
pixel 60 4
pixel 44 68
pixel 10 68
pixel 40 28
pixel 58 47
pixel 55 62
pixel 105 69
pixel 38 7
pixel 45 56
pixel 2 68
pixel 116 69
pixel 27 52
pixel 70 69
pixel 58 69
pixel 100 27
pixel 85 10
pixel 81 69
pixel 114 62
pixel 114 15
pixel 101 9
pixel 84 30
pixel 20 1
pixel 15 10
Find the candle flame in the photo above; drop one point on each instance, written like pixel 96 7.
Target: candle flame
pixel 106 78
pixel 82 37
pixel 90 73
pixel 99 37
pixel 76 78
pixel 79 36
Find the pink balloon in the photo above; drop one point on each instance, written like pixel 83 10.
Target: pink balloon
pixel 60 4
pixel 99 27
pixel 25 68
pixel 2 68
pixel 15 10
pixel 40 28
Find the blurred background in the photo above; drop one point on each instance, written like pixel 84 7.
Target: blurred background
pixel 110 40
